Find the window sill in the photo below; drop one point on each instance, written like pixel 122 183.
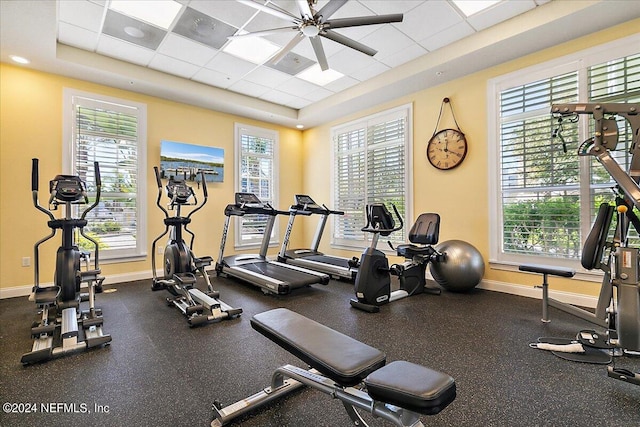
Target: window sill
pixel 122 259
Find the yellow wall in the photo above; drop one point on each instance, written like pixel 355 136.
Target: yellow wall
pixel 461 195
pixel 31 126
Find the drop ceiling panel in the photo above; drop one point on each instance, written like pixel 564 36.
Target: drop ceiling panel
pixel 499 12
pixel 124 51
pixel 186 50
pixel 447 36
pixel 193 47
pixel 77 37
pixel 82 14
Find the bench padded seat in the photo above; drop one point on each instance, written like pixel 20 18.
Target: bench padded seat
pixel 412 386
pixel 340 357
pixel 547 269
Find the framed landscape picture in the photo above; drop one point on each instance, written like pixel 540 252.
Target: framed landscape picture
pixel 185 161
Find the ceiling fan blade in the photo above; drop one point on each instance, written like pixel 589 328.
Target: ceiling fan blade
pixel 264 32
pixel 283 14
pixel 329 9
pixel 283 52
pixel 305 10
pixel 318 49
pixel 339 38
pixel 363 20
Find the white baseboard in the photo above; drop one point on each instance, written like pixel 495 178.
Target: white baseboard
pixel 21 291
pixel 534 292
pixel 489 285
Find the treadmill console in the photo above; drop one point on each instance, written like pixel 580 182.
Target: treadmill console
pixel 248 199
pixel 304 201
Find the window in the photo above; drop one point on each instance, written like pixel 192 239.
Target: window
pixel 546 198
pixel 113 133
pixel 371 164
pixel 256 160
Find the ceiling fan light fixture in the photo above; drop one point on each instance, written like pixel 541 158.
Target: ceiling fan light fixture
pixel 310 29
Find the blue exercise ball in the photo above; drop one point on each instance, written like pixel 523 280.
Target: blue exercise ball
pixel 462 268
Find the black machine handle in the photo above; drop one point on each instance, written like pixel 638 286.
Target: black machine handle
pixel 385 231
pixel 157 172
pixel 96 168
pixel 34 174
pixel 205 196
pixel 332 212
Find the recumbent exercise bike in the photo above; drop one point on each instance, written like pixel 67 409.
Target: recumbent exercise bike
pixel 62 323
pixel 180 264
pixel 373 281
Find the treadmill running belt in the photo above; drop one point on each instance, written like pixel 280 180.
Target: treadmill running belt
pixel 294 278
pixel 340 262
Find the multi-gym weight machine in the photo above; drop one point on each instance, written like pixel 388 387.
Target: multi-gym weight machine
pixel 619 313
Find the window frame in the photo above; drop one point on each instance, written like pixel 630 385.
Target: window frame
pixel 578 62
pixel 71 98
pixel 241 129
pixel 406 111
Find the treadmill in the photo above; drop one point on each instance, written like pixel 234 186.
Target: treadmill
pixel 273 277
pixel 338 267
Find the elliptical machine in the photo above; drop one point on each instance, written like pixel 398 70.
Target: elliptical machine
pixel 373 281
pixel 180 264
pixel 62 324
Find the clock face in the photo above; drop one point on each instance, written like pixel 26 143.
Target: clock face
pixel 447 149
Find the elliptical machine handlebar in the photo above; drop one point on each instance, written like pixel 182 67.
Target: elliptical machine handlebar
pixel 96 171
pixel 159 182
pixel 34 189
pixel 380 220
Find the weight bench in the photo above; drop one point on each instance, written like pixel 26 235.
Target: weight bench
pixel 346 369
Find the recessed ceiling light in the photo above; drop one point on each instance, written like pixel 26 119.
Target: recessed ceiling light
pixel 19 59
pixel 300 126
pixel 134 32
pixel 157 12
pixel 470 7
pixel 314 74
pixel 254 49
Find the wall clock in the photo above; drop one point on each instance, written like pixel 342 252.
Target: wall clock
pixel 447 148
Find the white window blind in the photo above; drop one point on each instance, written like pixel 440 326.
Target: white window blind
pixel 257 155
pixel 370 160
pixel 547 198
pixel 113 133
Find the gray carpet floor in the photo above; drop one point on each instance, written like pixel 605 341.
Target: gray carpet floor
pixel 159 372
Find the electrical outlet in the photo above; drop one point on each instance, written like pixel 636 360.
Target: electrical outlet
pixel 26 261
pixel 160 250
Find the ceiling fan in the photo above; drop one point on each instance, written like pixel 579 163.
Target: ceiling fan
pixel 315 24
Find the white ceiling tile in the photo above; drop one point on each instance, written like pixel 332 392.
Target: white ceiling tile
pixel 305 48
pixel 385 7
pixel 186 50
pixel 500 12
pixel 173 66
pixel 371 71
pixel 229 11
pixel 249 88
pixel 348 61
pixel 83 14
pixel 77 37
pixel 297 87
pixel 278 97
pixel 266 76
pixel 405 55
pixel 341 84
pixel 298 103
pixel 229 64
pixel 213 78
pixel 387 40
pixel 318 94
pixel 429 18
pixel 124 51
pixel 448 36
